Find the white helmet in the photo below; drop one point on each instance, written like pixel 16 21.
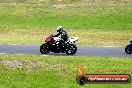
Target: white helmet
pixel 59 29
pixel 131 41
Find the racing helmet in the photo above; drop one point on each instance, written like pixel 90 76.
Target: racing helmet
pixel 131 41
pixel 59 29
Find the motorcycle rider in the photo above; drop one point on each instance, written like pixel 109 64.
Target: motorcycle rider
pixel 63 34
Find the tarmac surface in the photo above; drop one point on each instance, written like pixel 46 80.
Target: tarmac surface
pixel 105 51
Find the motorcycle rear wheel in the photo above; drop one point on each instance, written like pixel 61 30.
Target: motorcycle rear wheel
pixel 44 49
pixel 71 49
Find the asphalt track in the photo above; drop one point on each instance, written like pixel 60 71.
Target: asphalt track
pixel 105 51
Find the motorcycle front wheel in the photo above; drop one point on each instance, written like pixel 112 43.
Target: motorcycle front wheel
pixel 44 49
pixel 128 49
pixel 71 49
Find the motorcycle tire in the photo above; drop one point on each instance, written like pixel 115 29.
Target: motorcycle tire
pixel 71 49
pixel 128 49
pixel 44 49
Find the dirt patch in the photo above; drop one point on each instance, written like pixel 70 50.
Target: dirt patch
pixel 30 65
pixel 21 64
pixel 62 6
pixel 59 6
pixel 12 63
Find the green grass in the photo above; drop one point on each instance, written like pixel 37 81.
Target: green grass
pixel 31 71
pixel 94 24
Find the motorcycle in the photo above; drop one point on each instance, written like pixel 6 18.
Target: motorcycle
pixel 52 44
pixel 128 48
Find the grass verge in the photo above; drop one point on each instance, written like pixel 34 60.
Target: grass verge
pixel 57 72
pixel 95 23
